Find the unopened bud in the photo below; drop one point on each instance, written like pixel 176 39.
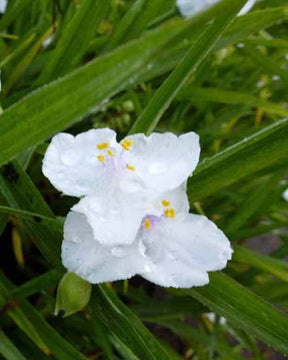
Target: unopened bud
pixel 73 294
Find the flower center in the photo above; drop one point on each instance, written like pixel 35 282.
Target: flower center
pixel 169 212
pixel 126 145
pixel 150 220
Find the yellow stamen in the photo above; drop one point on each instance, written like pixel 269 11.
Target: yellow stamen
pixel 129 142
pixel 101 158
pixel 103 146
pixel 165 203
pixel 130 167
pixel 110 152
pixel 170 213
pixel 126 144
pixel 147 224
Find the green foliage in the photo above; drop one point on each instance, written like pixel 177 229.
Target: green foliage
pixel 137 66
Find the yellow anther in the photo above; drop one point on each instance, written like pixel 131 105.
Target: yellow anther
pixel 170 213
pixel 165 203
pixel 147 224
pixel 103 146
pixel 126 144
pixel 130 167
pixel 101 158
pixel 129 142
pixel 110 152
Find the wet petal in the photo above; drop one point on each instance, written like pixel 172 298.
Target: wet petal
pixel 163 161
pixel 184 249
pixel 72 165
pixel 95 262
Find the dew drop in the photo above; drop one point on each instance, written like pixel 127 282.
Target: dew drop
pixel 70 157
pixel 147 268
pixel 118 251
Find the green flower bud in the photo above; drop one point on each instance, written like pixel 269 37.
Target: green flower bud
pixel 73 294
pixel 128 106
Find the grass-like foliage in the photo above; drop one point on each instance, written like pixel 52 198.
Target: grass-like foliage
pixel 138 66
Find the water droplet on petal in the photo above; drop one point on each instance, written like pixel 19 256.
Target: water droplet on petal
pixel 103 219
pixel 70 157
pixel 118 251
pixel 147 268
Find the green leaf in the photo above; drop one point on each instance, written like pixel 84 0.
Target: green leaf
pixel 244 309
pixel 122 323
pixel 147 122
pixel 195 94
pixel 75 39
pixel 274 266
pixel 259 201
pixel 37 284
pixel 20 317
pixel 20 193
pixel 8 349
pixel 262 150
pixel 42 331
pixel 54 107
pixel 12 12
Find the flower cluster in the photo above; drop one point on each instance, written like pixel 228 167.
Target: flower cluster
pixel 133 215
pixel 191 7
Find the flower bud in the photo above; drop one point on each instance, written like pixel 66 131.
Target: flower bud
pixel 73 294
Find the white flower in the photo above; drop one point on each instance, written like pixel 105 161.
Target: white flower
pixel 133 217
pixel 191 7
pixel 173 249
pixel 3 4
pixel 119 178
pixel 94 162
pixel 285 195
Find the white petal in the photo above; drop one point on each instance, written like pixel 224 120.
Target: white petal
pixel 115 218
pixel 97 263
pixel 3 5
pixel 247 7
pixel 71 163
pixel 164 161
pixel 177 198
pixel 191 7
pixel 184 249
pixel 285 195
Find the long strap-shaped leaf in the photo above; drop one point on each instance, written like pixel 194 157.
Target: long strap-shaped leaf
pixel 75 38
pixel 244 309
pixel 30 321
pixel 54 107
pixel 261 150
pixel 147 122
pixel 8 349
pixel 121 320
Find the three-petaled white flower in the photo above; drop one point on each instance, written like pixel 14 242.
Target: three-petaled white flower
pixel 191 7
pixel 133 216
